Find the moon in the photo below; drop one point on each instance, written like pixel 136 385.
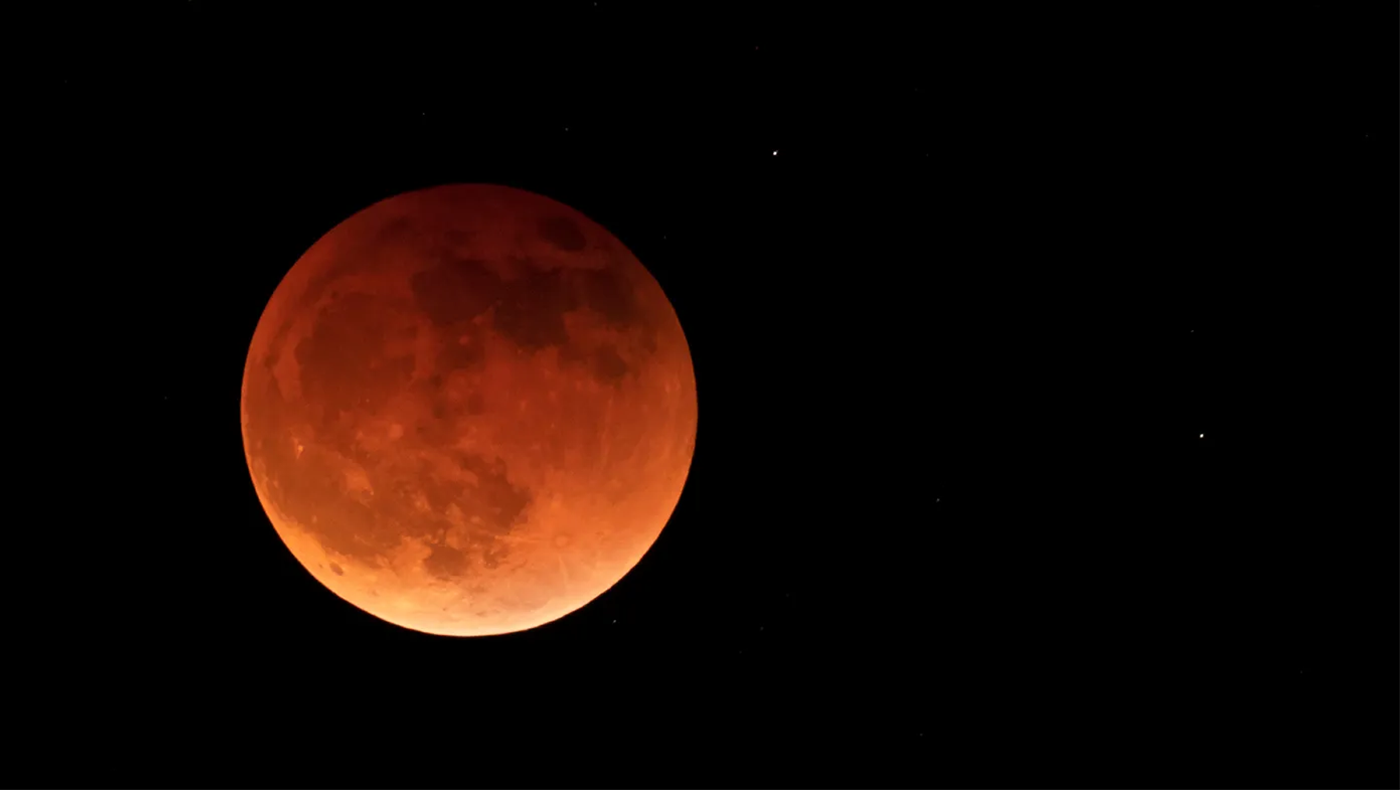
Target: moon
pixel 468 410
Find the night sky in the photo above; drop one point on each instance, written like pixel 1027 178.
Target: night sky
pixel 1041 359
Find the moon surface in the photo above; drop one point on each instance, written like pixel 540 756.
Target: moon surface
pixel 468 410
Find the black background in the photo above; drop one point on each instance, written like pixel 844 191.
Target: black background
pixel 951 519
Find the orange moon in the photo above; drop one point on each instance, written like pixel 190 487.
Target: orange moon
pixel 468 410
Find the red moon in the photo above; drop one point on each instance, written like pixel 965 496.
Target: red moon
pixel 468 410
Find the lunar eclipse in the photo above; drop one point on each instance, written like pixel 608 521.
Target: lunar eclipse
pixel 468 410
